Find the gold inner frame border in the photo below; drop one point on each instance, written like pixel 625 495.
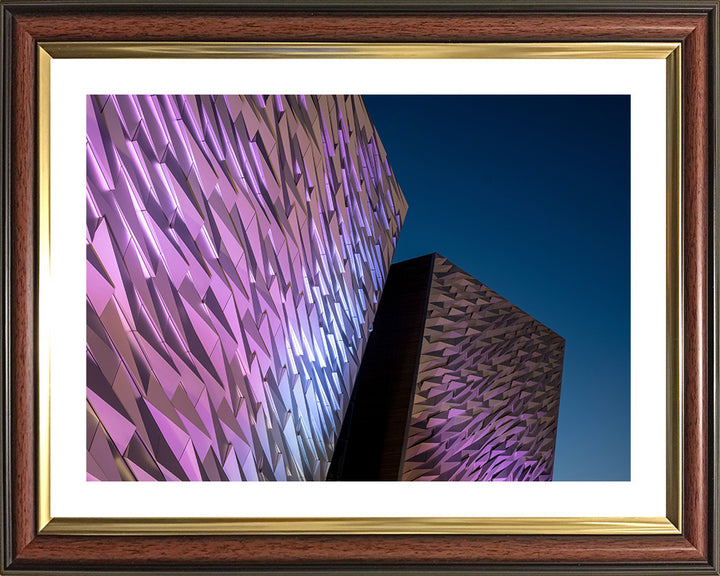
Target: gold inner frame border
pixel 670 524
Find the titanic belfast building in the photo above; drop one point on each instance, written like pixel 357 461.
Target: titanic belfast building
pixel 456 383
pixel 244 321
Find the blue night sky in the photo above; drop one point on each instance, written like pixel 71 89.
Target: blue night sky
pixel 531 195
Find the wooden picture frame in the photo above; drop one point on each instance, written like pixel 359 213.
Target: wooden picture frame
pixel 30 542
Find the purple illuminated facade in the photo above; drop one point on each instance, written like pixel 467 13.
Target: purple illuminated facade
pixel 237 247
pixel 457 383
pixel 486 398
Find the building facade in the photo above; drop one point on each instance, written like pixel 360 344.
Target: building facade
pixel 237 247
pixel 475 397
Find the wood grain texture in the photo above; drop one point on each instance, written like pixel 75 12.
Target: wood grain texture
pixel 695 210
pixel 360 28
pixel 687 552
pixel 23 292
pixel 347 550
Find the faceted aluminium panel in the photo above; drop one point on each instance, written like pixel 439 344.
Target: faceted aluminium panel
pixel 487 394
pixel 456 384
pixel 237 247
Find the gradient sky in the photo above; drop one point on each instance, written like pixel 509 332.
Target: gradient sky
pixel 531 195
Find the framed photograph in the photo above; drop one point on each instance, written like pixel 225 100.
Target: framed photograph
pixel 323 287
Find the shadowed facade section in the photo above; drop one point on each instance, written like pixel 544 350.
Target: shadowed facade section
pixel 372 439
pixel 481 400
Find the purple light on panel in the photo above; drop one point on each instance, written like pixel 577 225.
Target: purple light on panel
pixel 486 399
pixel 236 251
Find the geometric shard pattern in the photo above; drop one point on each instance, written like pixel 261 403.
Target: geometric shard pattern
pixel 237 247
pixel 487 394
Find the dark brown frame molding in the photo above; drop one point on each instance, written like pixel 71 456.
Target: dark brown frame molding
pixel 27 23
